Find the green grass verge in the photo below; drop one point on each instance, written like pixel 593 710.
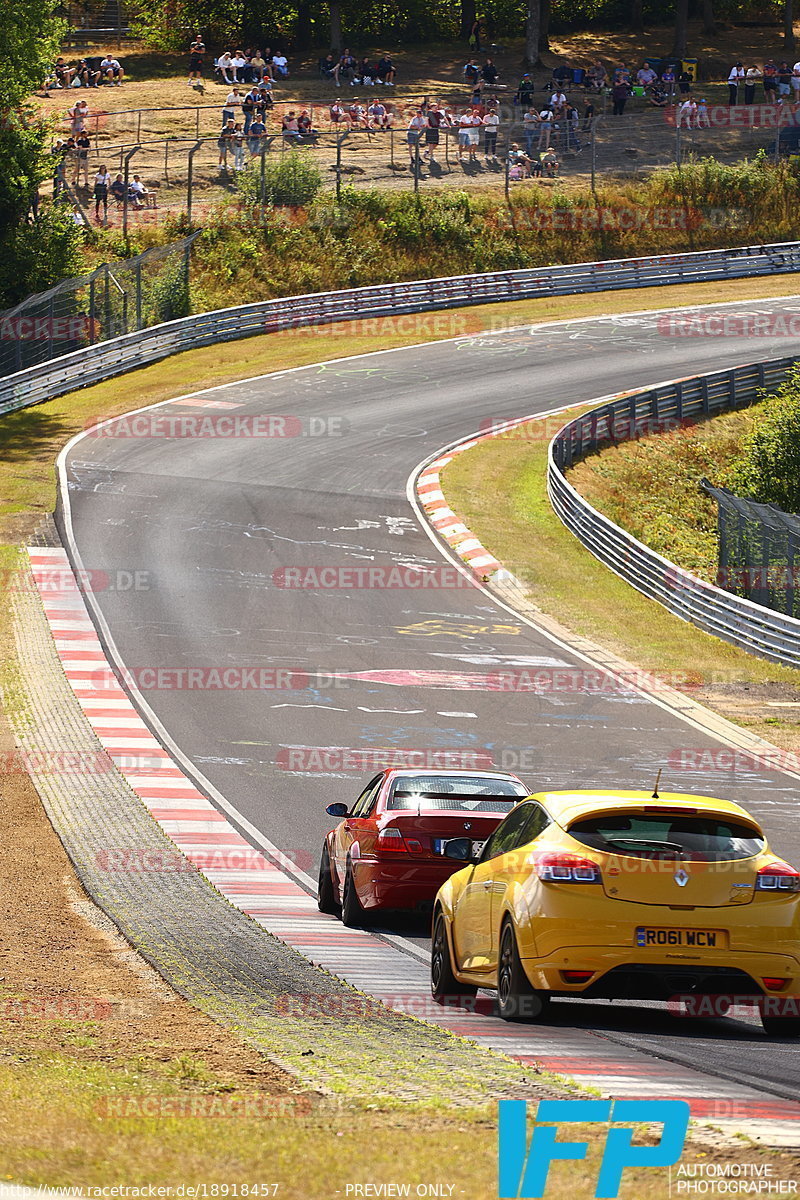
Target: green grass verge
pixel 499 490
pixel 651 487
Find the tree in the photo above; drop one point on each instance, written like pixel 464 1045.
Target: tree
pixel 544 25
pixel 637 16
pixel 709 21
pixel 788 26
pixel 681 28
pixel 532 29
pixel 34 252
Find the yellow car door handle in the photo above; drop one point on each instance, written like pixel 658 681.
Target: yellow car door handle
pixel 488 884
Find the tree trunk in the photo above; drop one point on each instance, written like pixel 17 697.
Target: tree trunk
pixel 637 16
pixel 681 32
pixel 788 26
pixel 532 27
pixel 544 24
pixel 336 26
pixel 303 34
pixel 709 21
pixel 468 15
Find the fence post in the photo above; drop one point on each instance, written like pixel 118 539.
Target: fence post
pixel 138 279
pixel 506 184
pixel 416 166
pixel 190 179
pixel 139 125
pixel 262 192
pixel 92 309
pixel 166 161
pixel 128 158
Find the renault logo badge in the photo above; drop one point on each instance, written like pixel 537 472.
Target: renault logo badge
pixel 681 878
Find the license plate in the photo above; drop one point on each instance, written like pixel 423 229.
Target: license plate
pixel 694 939
pixel 476 850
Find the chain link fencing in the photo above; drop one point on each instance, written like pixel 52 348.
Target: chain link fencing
pixel 116 299
pixel 759 551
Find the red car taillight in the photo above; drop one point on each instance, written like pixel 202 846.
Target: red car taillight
pixel 778 877
pixel 391 841
pixel 566 868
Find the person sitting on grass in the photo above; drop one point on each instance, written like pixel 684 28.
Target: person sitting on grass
pixel 386 70
pixel 305 127
pixel 257 67
pixel 550 163
pixel 117 189
pixel 290 130
pixel 64 74
pixel 337 114
pixel 238 66
pixel 345 68
pixel 327 67
pixel 137 193
pixel 489 73
pixel 224 66
pixel 365 72
pixel 657 96
pixel 519 165
pixel 472 72
pixel 111 69
pixel 376 114
pixel 89 76
pixel 280 65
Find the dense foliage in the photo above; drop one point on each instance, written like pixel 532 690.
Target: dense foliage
pixel 165 23
pixel 34 251
pixel 768 468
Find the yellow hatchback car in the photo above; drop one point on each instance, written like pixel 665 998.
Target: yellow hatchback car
pixel 622 895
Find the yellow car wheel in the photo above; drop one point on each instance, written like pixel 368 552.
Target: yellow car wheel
pixel 517 1000
pixel 780 1026
pixel 443 982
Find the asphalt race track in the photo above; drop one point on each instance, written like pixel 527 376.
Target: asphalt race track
pixel 217 524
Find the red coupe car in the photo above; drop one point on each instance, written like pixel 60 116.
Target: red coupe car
pixel 388 851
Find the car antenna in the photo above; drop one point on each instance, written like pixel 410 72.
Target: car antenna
pixel 655 795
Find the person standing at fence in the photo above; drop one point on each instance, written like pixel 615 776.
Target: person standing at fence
pixel 78 114
pixel 225 145
pixel 196 54
pixel 546 123
pixel 415 127
pixel 435 119
pixel 249 107
pixel 620 93
pixel 736 76
pixel 82 148
pixel 257 133
pixel 770 80
pixel 102 182
pixel 530 124
pixel 751 78
pixel 784 78
pixel 239 160
pixel 232 103
pixel 491 126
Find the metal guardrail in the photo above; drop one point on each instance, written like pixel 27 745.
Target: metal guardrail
pixel 760 631
pixel 92 364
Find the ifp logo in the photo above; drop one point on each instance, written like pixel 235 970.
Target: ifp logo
pixel 523 1169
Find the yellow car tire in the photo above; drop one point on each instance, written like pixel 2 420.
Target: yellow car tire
pixel 444 984
pixel 517 999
